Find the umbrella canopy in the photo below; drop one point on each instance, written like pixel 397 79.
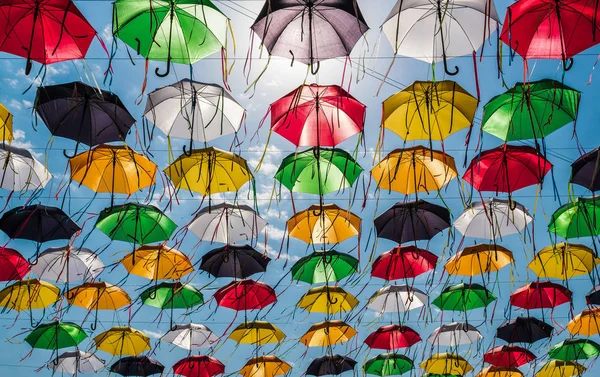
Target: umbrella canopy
pixel 559 368
pixel 454 334
pixel 98 296
pixel 563 261
pixel 585 170
pixel 330 364
pixel 245 295
pixel 190 336
pixel 586 323
pixel 495 371
pixel 392 337
pixel 38 223
pixel 327 223
pixel 492 219
pixel 593 298
pixel 172 295
pixel 257 333
pixel 67 264
pixel 580 218
pixel 29 294
pixel 74 362
pixel 412 221
pixel 508 356
pixel 464 297
pixel 446 363
pixel 388 364
pixel 227 223
pixel 199 366
pixel 397 298
pixel 56 335
pixel 6 124
pixel 574 349
pixel 122 340
pixel 324 267
pixel 13 266
pixel 403 262
pixel 234 261
pixel 540 295
pixel 20 170
pixel 137 366
pixel 157 262
pixel 524 330
pixel 328 333
pixel 327 299
pixel 265 366
pixel 479 259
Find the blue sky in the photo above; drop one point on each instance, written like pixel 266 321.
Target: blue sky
pixel 280 79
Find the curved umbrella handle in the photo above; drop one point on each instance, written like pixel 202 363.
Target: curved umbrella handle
pixel 446 67
pixel 333 300
pixel 191 149
pixel 567 64
pixel 74 153
pixel 28 66
pixel 168 68
pixel 314 67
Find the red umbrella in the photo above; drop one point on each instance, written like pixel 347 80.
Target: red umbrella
pixel 45 31
pixel 12 265
pixel 315 115
pixel 392 337
pixel 540 295
pixel 508 356
pixel 245 295
pixel 403 262
pixel 199 366
pixel 507 168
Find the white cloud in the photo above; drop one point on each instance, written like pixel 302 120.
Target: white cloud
pixel 15 105
pixel 153 334
pixel 107 33
pixel 13 83
pixel 20 141
pixel 275 233
pixel 27 104
pixel 271 252
pixel 272 213
pixel 19 134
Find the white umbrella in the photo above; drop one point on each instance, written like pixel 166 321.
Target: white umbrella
pixel 190 336
pixel 493 218
pixel 19 170
pixel 454 334
pixel 397 298
pixel 74 362
pixel 227 223
pixel 67 264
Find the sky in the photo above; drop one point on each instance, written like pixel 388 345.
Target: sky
pixel 17 92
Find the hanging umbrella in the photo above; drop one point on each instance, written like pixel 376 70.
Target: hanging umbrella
pixel 580 218
pixel 325 223
pixel 593 298
pixel 234 261
pixel 563 261
pixel 392 337
pixel 328 333
pixel 67 264
pixel 530 110
pixel 199 366
pixel 173 296
pixel 135 223
pixel 327 299
pixel 83 113
pixel 540 295
pixel 227 223
pixel 492 219
pixel 479 259
pixel 330 364
pixel 122 340
pixel 44 31
pixel 574 349
pixel 310 31
pixel 209 171
pixel 317 116
pixel 95 296
pixel 137 366
pixel 56 335
pixel 13 266
pixel 265 366
pixel 403 262
pixel 20 171
pixel 585 170
pixel 38 223
pixel 388 364
pixel 318 171
pixel 507 168
pixel 257 333
pixel 508 356
pixel 446 363
pixel 324 267
pixel 193 110
pixel 454 334
pixel 157 262
pixel 178 32
pixel 412 221
pixel 524 330
pixel 190 336
pixel 397 298
pixel 29 294
pixel 6 124
pixel 559 368
pixel 245 295
pixel 494 371
pixel 463 297
pixel 74 362
pixel 586 323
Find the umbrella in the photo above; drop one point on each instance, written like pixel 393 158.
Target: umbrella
pixel 38 223
pixel 178 32
pixel 190 336
pixel 328 333
pixel 586 323
pixel 318 171
pixel 6 124
pixel 403 262
pixel 29 294
pixel 137 366
pixel 314 115
pixel 454 334
pixel 310 31
pixel 67 264
pixel 20 170
pixel 98 296
pixel 540 295
pixel 530 110
pixel 158 262
pixel 495 371
pixel 524 330
pixel 324 267
pixel 574 349
pixel 325 223
pixel 508 356
pixel 198 366
pixel 559 368
pixel 563 261
pixel 463 297
pixel 265 366
pixel 388 364
pixel 479 259
pixel 245 295
pixel 257 333
pixel 412 221
pixel 74 362
pixel 122 340
pixel 234 261
pixel 330 364
pixel 585 170
pixel 172 296
pixel 397 298
pixel 593 298
pixel 580 218
pixel 227 223
pixel 446 363
pixel 135 223
pixel 56 335
pixel 13 266
pixel 392 337
pixel 327 299
pixel 492 219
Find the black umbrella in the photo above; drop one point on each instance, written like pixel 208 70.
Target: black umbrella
pixel 585 171
pixel 330 364
pixel 83 113
pixel 593 298
pixel 38 223
pixel 524 330
pixel 234 261
pixel 137 366
pixel 412 221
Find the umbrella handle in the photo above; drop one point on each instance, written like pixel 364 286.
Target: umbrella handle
pixel 168 68
pixel 446 67
pixel 439 14
pixel 74 153
pixel 314 67
pixel 185 149
pixel 567 64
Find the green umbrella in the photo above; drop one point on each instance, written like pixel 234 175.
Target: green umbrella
pixel 580 218
pixel 324 267
pixel 388 364
pixel 574 349
pixel 180 31
pixel 136 223
pixel 172 295
pixel 463 297
pixel 56 335
pixel 530 111
pixel 318 171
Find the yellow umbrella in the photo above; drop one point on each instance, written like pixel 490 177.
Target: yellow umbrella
pixel 500 372
pixel 98 296
pixel 6 124
pixel 209 171
pixel 586 323
pixel 429 110
pixel 563 261
pixel 265 366
pixel 327 333
pixel 416 169
pixel 157 262
pixel 257 332
pixel 324 224
pixel 29 294
pixel 327 299
pixel 559 368
pixel 446 363
pixel 122 340
pixel 479 259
